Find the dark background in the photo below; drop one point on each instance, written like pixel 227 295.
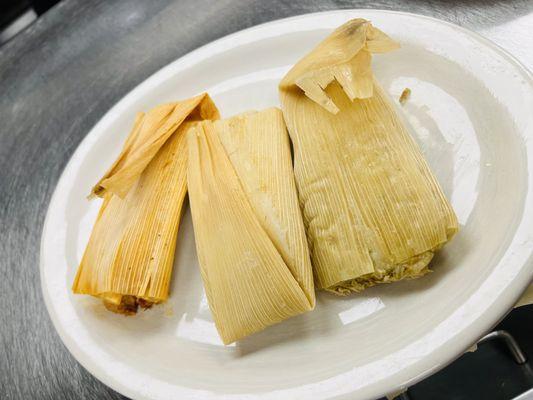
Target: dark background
pixel 59 76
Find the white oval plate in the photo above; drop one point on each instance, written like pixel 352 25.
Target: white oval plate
pixel 471 110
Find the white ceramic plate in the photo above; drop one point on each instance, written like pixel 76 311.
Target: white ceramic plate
pixel 471 110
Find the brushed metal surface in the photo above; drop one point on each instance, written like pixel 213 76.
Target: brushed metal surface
pixel 60 76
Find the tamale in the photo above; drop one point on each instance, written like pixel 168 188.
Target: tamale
pixel 128 259
pixel 372 209
pixel 249 232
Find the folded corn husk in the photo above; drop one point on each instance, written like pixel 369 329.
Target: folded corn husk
pixel 150 131
pixel 373 210
pixel 249 232
pixel 128 260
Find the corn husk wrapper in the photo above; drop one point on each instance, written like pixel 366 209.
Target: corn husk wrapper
pixel 373 210
pixel 128 260
pixel 150 132
pixel 248 227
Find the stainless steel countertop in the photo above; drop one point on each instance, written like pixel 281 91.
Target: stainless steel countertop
pixel 60 76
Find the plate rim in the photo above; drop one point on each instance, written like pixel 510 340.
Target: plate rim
pixel 442 355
